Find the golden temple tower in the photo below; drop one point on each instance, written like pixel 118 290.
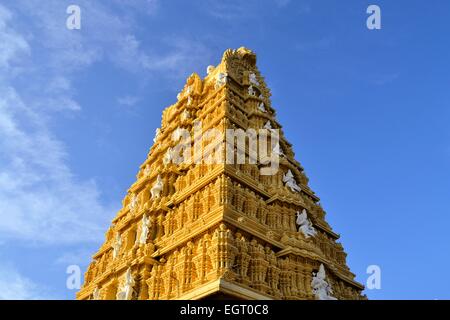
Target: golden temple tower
pixel 199 223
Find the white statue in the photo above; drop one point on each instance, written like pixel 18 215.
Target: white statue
pixel 126 290
pixel 157 133
pixel 304 224
pixel 157 188
pixel 261 107
pixel 189 90
pixel 116 245
pixel 185 115
pixel 261 96
pixel 277 150
pixel 209 70
pixel 179 96
pixel 253 79
pixel 144 230
pixel 221 79
pixel 289 181
pixel 268 125
pixel 147 170
pixel 251 91
pixel 320 287
pixel 96 294
pixel 168 157
pixel 176 135
pixel 133 203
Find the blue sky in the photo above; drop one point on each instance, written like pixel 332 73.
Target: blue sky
pixel 366 110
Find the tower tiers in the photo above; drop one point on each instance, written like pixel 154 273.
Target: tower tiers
pixel 201 223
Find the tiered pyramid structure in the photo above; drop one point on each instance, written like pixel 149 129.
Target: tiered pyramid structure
pixel 199 228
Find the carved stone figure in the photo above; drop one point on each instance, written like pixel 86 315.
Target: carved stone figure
pixel 185 115
pixel 168 156
pixel 133 203
pixel 126 291
pixel 147 171
pixel 253 79
pixel 321 289
pixel 117 245
pixel 304 224
pixel 189 102
pixel 289 182
pixel 221 79
pixel 144 230
pixel 210 69
pixel 157 188
pixel 268 125
pixel 261 107
pixel 96 294
pixel 157 133
pixel 277 150
pixel 251 91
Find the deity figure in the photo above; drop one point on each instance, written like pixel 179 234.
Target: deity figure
pixel 221 79
pixel 185 115
pixel 209 70
pixel 253 79
pixel 157 133
pixel 268 125
pixel 157 188
pixel 289 181
pixel 251 91
pixel 126 290
pixel 261 107
pixel 147 170
pixel 133 203
pixel 321 289
pixel 96 294
pixel 144 230
pixel 304 224
pixel 116 246
pixel 277 150
pixel 168 157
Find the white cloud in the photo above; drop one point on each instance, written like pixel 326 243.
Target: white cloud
pixel 14 286
pixel 79 257
pixel 41 198
pixel 128 101
pixel 12 45
pixel 238 9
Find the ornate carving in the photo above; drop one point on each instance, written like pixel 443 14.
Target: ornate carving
pixel 186 226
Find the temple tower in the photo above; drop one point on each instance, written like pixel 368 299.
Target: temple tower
pixel 201 223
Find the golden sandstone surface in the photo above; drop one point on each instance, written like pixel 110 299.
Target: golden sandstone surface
pixel 199 229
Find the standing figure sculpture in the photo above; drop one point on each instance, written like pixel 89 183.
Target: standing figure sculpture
pixel 321 289
pixel 126 291
pixel 116 246
pixel 221 79
pixel 304 225
pixel 289 181
pixel 157 188
pixel 253 79
pixel 144 230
